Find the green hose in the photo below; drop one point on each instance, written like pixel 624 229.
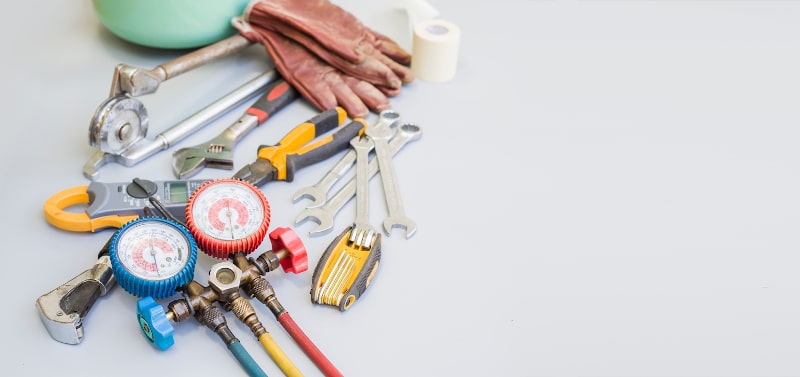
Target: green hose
pixel 246 360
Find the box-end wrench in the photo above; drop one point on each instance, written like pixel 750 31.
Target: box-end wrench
pixel 325 214
pixel 318 193
pixel 397 218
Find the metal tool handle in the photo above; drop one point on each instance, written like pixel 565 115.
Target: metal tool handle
pixel 135 81
pixel 201 56
pixel 214 110
pixel 278 95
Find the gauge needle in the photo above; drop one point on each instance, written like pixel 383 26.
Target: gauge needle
pixel 230 217
pixel 153 253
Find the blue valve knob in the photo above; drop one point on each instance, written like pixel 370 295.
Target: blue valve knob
pixel 154 323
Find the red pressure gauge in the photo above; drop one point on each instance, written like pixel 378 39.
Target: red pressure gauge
pixel 227 216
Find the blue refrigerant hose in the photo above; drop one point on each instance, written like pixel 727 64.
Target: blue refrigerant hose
pixel 246 360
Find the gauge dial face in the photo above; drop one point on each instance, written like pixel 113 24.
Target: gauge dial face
pixel 153 250
pixel 228 211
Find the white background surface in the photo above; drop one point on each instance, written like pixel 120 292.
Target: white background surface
pixel 607 188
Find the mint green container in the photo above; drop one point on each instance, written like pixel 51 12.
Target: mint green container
pixel 173 24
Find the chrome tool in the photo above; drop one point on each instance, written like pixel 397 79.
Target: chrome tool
pixel 218 152
pixel 119 127
pixel 397 218
pixel 318 193
pixel 64 309
pixel 325 214
pixel 347 267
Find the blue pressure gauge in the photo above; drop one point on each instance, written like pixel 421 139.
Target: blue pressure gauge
pixel 152 256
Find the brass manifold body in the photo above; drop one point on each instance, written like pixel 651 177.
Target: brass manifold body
pixel 225 282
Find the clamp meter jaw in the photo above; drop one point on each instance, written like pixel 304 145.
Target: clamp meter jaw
pixel 114 204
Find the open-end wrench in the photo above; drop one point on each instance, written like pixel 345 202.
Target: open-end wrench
pixel 362 145
pixel 348 265
pixel 318 193
pixel 325 214
pixel 396 218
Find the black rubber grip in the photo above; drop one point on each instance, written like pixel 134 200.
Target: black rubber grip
pixel 337 142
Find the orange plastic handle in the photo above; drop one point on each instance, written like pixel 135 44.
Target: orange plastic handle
pixel 78 222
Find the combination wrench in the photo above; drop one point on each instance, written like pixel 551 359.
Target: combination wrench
pixel 318 193
pixel 325 214
pixel 397 218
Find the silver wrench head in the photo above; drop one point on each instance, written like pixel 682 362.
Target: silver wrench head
pixel 323 218
pixel 392 222
pixel 186 162
pixel 411 131
pixel 386 119
pixel 362 143
pixel 317 196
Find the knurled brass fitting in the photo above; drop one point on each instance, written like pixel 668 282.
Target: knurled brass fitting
pixel 260 288
pixel 244 310
pixel 213 318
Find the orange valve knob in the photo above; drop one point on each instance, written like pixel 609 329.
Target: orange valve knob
pixel 290 250
pixel 227 216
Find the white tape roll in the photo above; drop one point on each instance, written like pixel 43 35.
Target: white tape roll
pixel 435 50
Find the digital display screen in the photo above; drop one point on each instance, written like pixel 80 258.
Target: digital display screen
pixel 178 192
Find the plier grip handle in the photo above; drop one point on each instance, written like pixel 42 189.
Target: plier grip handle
pixel 296 150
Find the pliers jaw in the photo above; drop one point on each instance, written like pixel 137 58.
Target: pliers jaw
pixel 258 172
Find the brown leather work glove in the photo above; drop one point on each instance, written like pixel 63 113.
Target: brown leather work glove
pixel 336 37
pixel 322 85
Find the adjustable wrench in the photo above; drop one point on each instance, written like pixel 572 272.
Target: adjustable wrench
pixel 325 214
pixel 318 193
pixel 218 152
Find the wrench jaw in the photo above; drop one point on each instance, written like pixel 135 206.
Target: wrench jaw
pixel 403 222
pixel 318 196
pixel 187 162
pixel 323 219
